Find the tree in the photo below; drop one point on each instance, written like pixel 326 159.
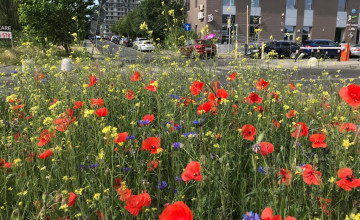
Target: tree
pixel 8 14
pixel 55 21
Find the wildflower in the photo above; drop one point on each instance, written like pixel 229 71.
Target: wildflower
pixel 311 176
pixel 152 86
pixel 135 76
pixel 196 87
pixel 93 166
pixel 259 109
pixel 147 119
pixel 177 145
pixel 101 112
pixel 161 185
pixel 291 114
pixel 292 86
pixel 135 203
pixel 192 172
pixel 232 76
pixel 254 97
pixel 78 104
pixel 152 144
pixel 198 122
pixel 266 148
pixel 130 95
pixel 286 176
pixel 261 84
pixel 122 137
pixel 97 102
pixel 301 130
pixel 348 181
pixel 45 137
pixel 251 216
pixel 262 170
pixel 248 132
pixel 348 127
pixel 153 164
pixel 275 123
pixel 92 80
pixel 351 95
pixel 290 218
pixel 46 154
pixel 204 108
pixel 178 210
pixel 190 134
pixel 175 96
pixel 72 199
pixel 126 169
pixel 63 123
pixel 318 140
pixel 267 214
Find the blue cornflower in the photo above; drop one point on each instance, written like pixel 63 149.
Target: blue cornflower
pixel 130 137
pixel 197 122
pixel 82 166
pixel 190 134
pixel 175 191
pixel 93 166
pixel 43 80
pixel 144 122
pixel 14 71
pixel 126 169
pixel 262 170
pixel 253 89
pixel 177 127
pixel 251 216
pixel 178 179
pixel 161 185
pixel 213 156
pixel 175 96
pixel 177 145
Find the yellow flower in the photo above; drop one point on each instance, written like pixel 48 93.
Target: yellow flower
pixel 106 130
pixel 101 154
pixel 97 196
pixel 332 179
pixel 88 112
pixel 143 26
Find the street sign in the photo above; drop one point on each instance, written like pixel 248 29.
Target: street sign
pixel 187 27
pixel 5 32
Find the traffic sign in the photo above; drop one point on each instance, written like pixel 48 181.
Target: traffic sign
pixel 187 27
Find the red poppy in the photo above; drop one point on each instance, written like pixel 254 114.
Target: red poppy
pixel 100 215
pixel 286 176
pixel 348 181
pixel 45 137
pixel 290 218
pixel 323 204
pixel 348 127
pixel 275 123
pixel 53 102
pixel 72 199
pixel 123 192
pixel 235 109
pixel 196 87
pixel 221 94
pixel 46 154
pixel 351 95
pixel 7 165
pixel 153 164
pixel 130 95
pixel 248 132
pixel 2 161
pixel 266 148
pixel 135 203
pixel 92 80
pixel 192 172
pixel 292 86
pixel 254 97
pixel 318 140
pixel 78 104
pixel 135 76
pixel 232 76
pixel 261 84
pixel 311 176
pixel 152 144
pixel 121 137
pixel 267 214
pixel 147 119
pixel 101 112
pixel 30 157
pixel 177 211
pixel 99 102
pixel 62 124
pixel 151 87
pixel 204 108
pixel 303 130
pixel 259 109
pixel 17 107
pixel 291 114
pixel 39 76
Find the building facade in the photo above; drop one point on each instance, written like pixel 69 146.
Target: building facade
pixel 337 20
pixel 114 10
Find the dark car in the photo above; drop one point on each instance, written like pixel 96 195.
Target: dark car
pixel 278 49
pixel 315 50
pixel 126 42
pixel 202 48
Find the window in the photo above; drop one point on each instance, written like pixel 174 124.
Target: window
pixel 188 5
pixel 342 5
pixel 255 20
pixel 228 3
pixel 308 4
pixel 291 4
pixel 255 3
pixel 195 3
pixel 289 33
pixel 225 19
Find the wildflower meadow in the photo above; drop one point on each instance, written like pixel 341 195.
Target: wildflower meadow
pixel 175 139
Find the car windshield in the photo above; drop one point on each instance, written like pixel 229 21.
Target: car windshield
pixel 146 42
pixel 306 42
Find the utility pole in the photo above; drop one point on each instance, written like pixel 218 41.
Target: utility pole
pixel 247 25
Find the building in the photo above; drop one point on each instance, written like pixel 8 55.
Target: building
pixel 337 20
pixel 114 10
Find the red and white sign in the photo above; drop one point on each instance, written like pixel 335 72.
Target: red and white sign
pixel 5 34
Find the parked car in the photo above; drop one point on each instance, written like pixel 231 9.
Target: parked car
pixel 355 50
pixel 145 45
pixel 320 53
pixel 115 39
pixel 203 48
pixel 137 40
pixel 126 42
pixel 279 49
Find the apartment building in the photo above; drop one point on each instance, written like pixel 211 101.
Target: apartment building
pixel 115 9
pixel 337 20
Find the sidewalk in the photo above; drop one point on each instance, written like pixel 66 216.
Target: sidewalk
pixel 92 49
